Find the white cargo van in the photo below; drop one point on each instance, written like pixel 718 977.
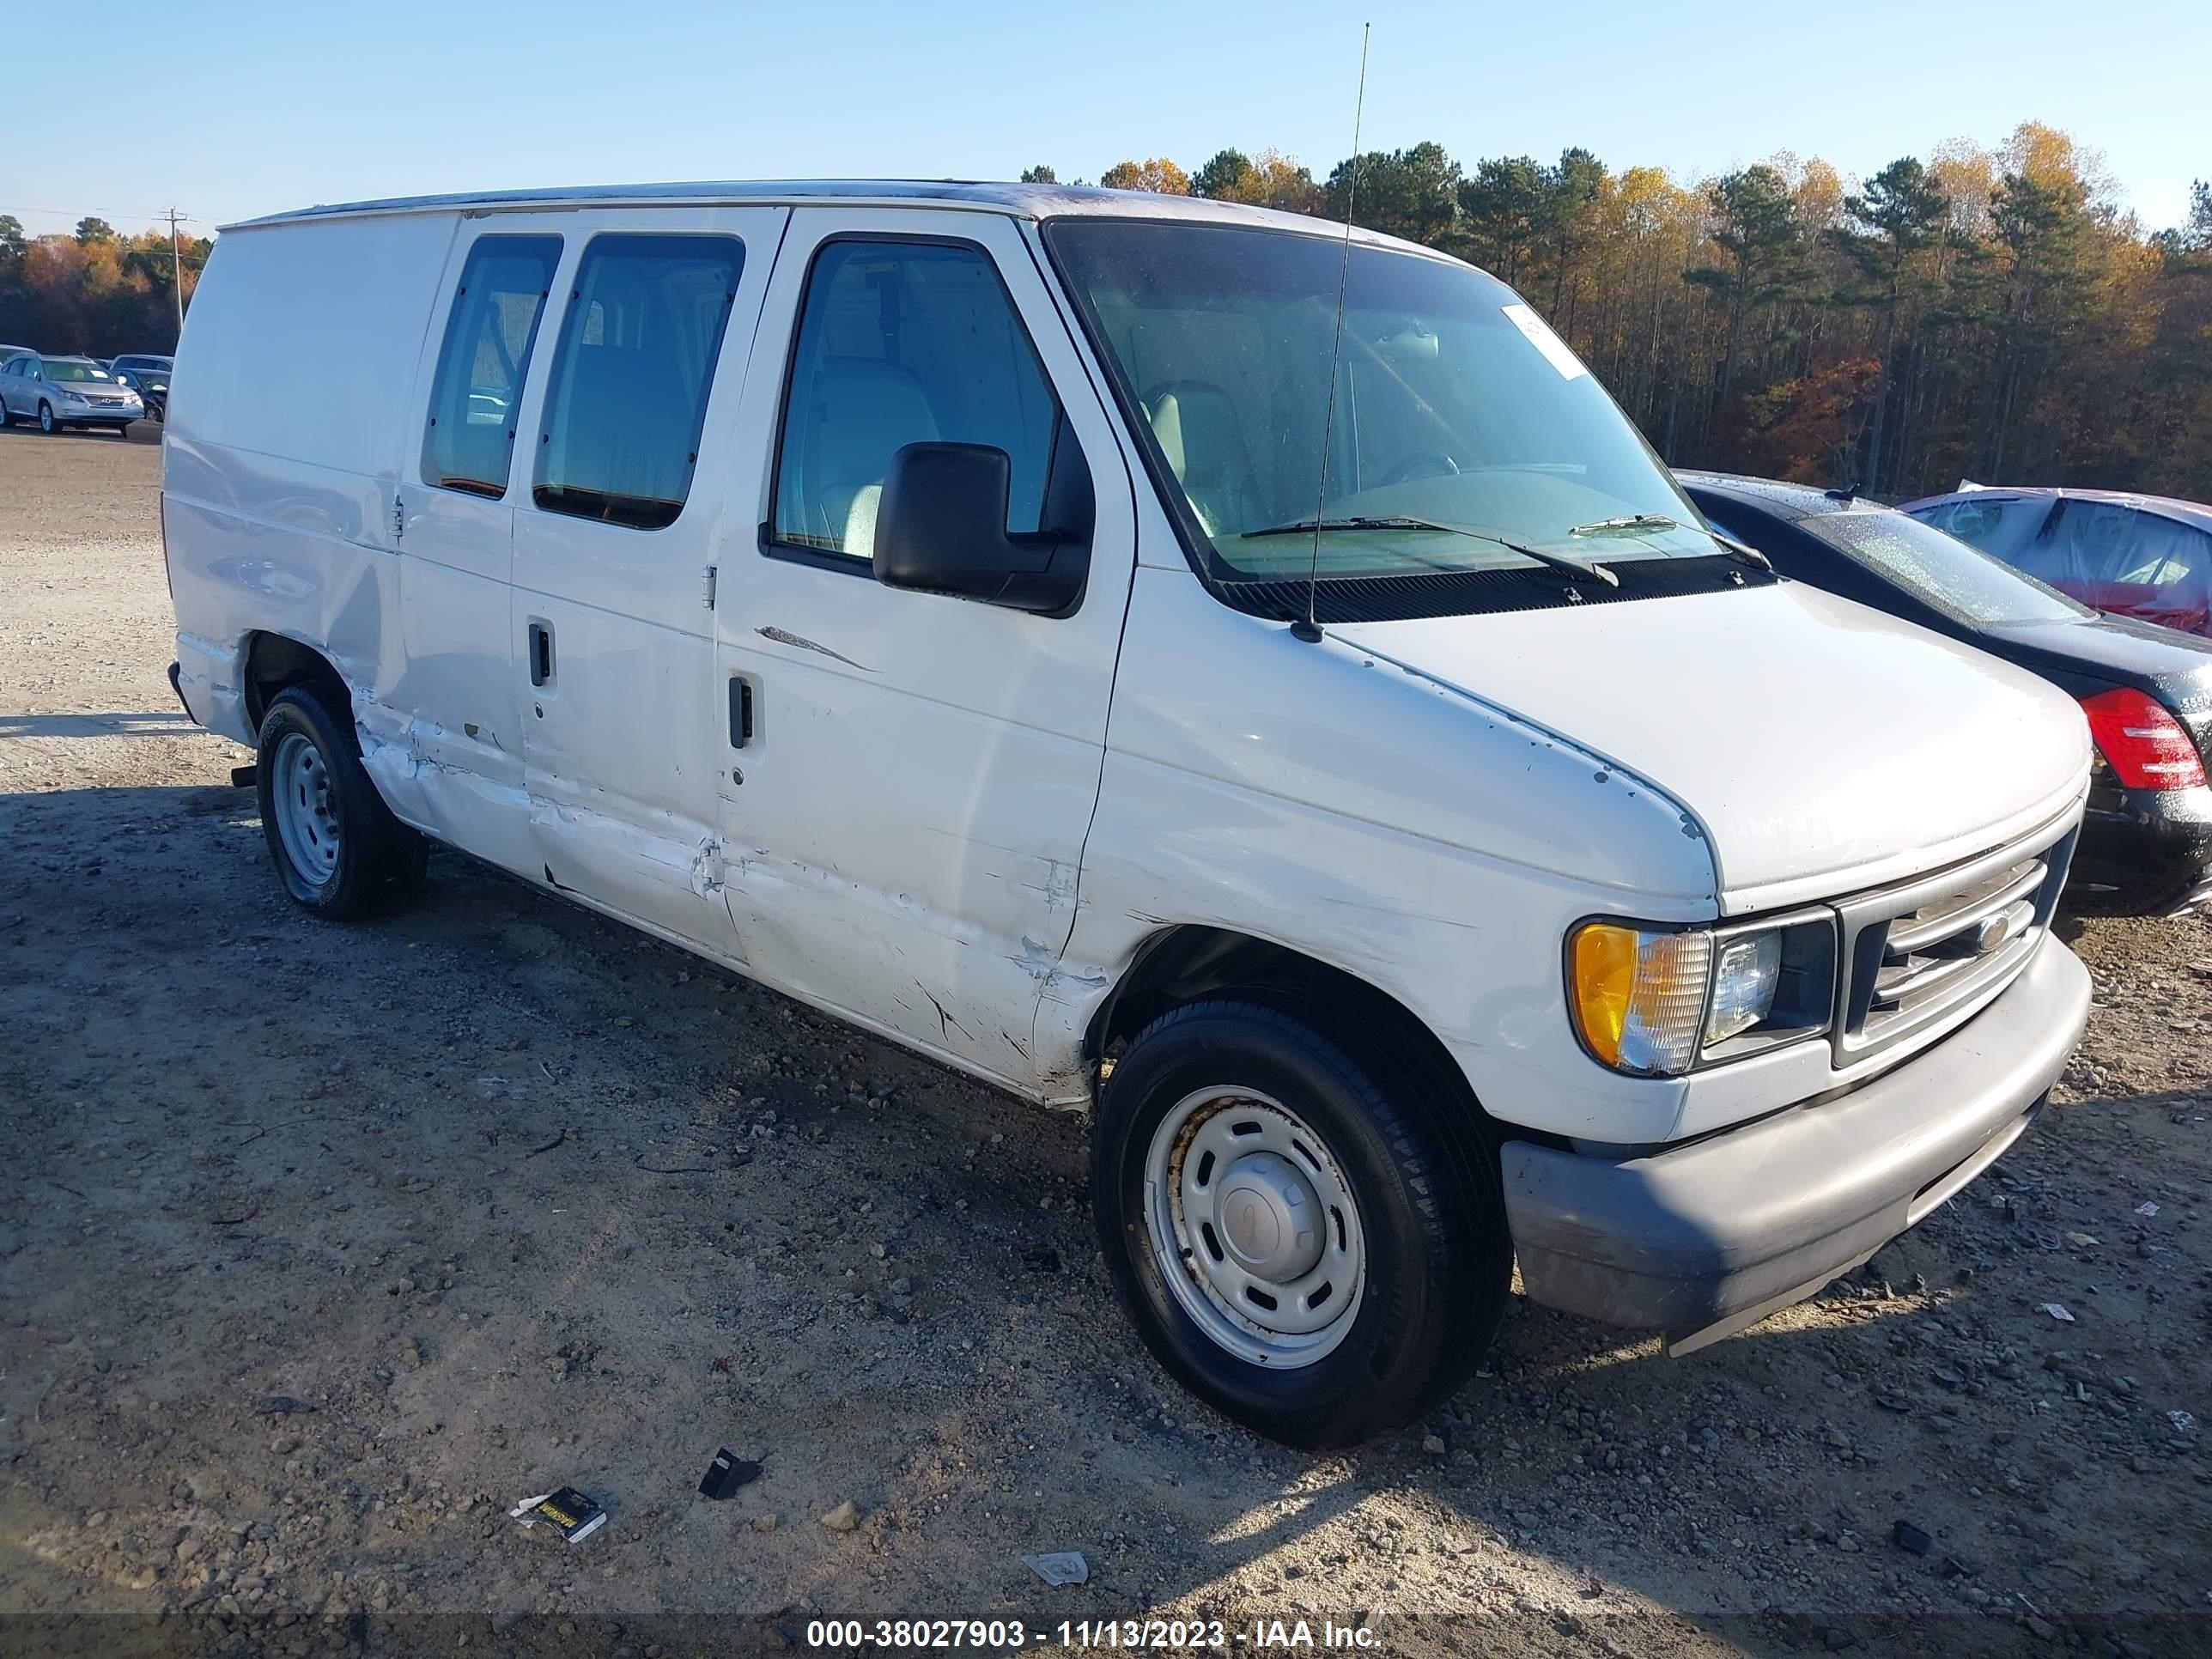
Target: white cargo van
pixel 906 595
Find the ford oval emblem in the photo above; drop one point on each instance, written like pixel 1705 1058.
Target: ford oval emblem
pixel 1992 932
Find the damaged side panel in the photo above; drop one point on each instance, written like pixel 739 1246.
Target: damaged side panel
pixel 934 897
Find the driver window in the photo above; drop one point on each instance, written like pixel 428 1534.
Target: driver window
pixel 903 342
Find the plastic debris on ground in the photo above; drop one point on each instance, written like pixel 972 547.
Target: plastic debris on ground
pixel 725 1475
pixel 2146 1207
pixel 2057 1310
pixel 1060 1567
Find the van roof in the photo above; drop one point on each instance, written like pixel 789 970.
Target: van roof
pixel 1018 201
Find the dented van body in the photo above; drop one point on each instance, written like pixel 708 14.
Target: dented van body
pixel 1000 616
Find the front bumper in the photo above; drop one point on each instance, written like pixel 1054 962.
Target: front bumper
pixel 100 414
pixel 1704 1239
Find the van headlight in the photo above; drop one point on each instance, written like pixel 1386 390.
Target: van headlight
pixel 1657 1002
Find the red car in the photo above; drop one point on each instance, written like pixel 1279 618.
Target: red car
pixel 2146 556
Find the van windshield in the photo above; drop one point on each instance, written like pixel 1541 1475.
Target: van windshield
pixel 1455 408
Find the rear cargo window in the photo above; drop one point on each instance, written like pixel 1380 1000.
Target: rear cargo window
pixel 474 400
pixel 620 436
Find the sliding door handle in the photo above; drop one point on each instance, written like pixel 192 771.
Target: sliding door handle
pixel 741 711
pixel 541 653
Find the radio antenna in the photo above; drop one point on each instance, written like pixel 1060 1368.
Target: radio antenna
pixel 1307 628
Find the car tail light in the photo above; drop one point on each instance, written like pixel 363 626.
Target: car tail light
pixel 2145 746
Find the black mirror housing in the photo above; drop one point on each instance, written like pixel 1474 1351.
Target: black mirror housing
pixel 941 528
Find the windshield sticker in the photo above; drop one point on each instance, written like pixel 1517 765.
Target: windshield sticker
pixel 1556 351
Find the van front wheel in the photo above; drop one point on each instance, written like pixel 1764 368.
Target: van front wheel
pixel 1294 1242
pixel 339 852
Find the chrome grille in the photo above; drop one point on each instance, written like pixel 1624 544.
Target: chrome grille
pixel 1917 951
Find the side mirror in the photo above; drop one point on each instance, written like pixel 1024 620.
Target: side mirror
pixel 941 528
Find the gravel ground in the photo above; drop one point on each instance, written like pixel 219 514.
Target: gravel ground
pixel 324 1246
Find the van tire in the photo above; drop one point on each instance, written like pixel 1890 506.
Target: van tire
pixel 1438 1257
pixel 371 863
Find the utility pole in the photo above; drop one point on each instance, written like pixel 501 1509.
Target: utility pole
pixel 177 268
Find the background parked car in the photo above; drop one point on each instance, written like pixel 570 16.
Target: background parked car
pixel 60 393
pixel 2146 556
pixel 149 376
pixel 7 351
pixel 2146 840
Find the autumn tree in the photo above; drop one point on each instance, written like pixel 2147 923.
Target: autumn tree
pixel 1225 177
pixel 1158 175
pixel 92 292
pixel 1270 179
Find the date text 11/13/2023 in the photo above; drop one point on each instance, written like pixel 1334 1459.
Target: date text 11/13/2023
pixel 1159 1634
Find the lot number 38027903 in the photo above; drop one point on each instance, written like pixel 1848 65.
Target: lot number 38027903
pixel 1003 1635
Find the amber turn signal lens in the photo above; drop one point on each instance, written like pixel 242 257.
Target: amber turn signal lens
pixel 1638 995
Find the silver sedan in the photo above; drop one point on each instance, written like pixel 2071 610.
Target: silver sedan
pixel 60 393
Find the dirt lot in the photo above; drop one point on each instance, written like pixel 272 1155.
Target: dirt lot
pixel 322 1247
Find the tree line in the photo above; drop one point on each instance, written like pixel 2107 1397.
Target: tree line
pixel 1980 313
pixel 94 290
pixel 1987 313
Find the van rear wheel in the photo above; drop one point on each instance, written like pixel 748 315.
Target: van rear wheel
pixel 338 850
pixel 1293 1239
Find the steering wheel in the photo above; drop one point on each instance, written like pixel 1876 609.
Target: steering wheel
pixel 1415 466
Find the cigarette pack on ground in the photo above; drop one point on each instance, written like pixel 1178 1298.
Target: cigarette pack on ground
pixel 576 1516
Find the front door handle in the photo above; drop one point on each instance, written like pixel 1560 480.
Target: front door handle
pixel 741 711
pixel 541 653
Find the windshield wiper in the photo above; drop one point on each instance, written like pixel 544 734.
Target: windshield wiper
pixel 1635 524
pixel 1642 523
pixel 1742 550
pixel 1398 521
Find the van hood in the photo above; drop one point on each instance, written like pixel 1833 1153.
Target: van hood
pixel 1819 747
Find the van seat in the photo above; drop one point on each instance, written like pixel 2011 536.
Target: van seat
pixel 1196 425
pixel 859 412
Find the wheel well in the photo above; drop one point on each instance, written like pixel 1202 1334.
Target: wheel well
pixel 1184 964
pixel 274 664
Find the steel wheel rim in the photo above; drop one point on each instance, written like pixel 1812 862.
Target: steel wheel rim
pixel 307 812
pixel 1253 1225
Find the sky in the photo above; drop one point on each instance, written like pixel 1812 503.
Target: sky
pixel 227 111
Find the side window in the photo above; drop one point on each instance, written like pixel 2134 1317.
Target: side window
pixel 1998 524
pixel 636 361
pixel 903 342
pixel 470 440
